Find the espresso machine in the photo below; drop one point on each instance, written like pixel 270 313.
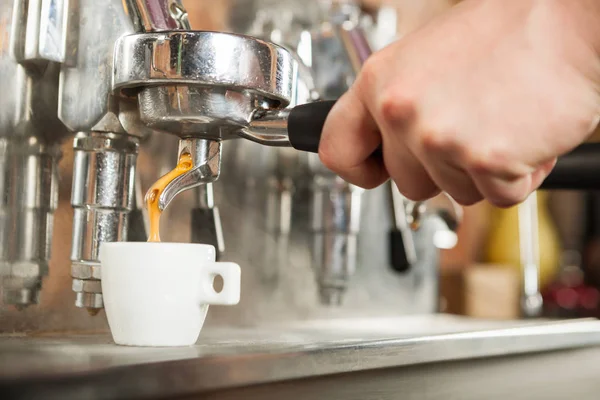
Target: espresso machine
pixel 124 78
pixel 339 284
pixel 119 78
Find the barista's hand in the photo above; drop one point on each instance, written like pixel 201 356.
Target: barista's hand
pixel 478 103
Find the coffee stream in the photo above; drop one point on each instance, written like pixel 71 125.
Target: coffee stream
pixel 152 196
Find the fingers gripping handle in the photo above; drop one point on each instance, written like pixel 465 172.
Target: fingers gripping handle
pixel 230 294
pixel 305 126
pixel 577 170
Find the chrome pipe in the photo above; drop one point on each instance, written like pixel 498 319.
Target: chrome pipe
pixel 102 197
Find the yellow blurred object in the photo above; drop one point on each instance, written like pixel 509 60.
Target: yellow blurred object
pixel 502 247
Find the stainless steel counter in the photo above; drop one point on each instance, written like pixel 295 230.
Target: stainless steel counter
pixel 67 365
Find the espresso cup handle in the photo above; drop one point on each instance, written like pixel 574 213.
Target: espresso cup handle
pixel 230 294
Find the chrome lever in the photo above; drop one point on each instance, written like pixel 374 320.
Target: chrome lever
pixel 451 215
pixel 403 252
pixel 158 15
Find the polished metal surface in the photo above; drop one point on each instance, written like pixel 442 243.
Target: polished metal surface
pixel 30 136
pixel 197 58
pixel 88 65
pixel 46 365
pixel 356 44
pixel 278 221
pixel 338 48
pixel 198 84
pixel 29 85
pixel 268 127
pixel 158 15
pixel 206 161
pixel 102 197
pixel 518 377
pixel 336 209
pixel 29 180
pixel 53 30
pixel 45 31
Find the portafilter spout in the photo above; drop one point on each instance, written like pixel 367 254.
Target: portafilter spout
pixel 206 161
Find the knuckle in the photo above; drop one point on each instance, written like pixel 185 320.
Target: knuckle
pixel 491 160
pixel 396 108
pixel 437 140
pixel 417 192
pixel 369 72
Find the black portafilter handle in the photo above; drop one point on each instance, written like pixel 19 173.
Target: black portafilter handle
pixel 305 124
pixel 577 170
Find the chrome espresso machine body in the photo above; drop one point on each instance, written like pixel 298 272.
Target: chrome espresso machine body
pixel 127 78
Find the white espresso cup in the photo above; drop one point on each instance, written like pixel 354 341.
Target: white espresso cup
pixel 157 294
